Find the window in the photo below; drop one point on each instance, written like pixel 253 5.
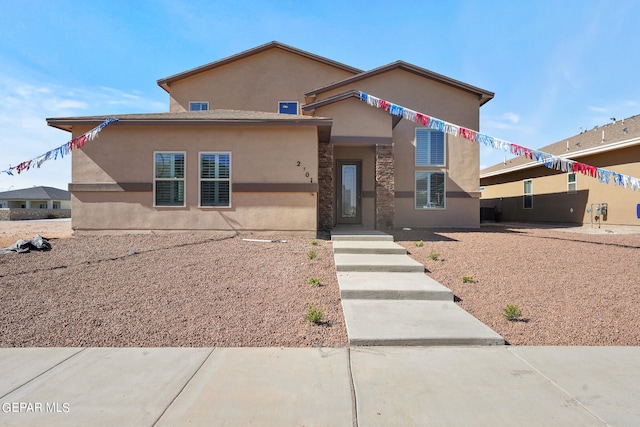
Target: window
pixel 288 107
pixel 168 183
pixel 527 200
pixel 572 183
pixel 429 147
pixel 429 190
pixel 56 205
pixel 198 106
pixel 43 205
pixel 215 179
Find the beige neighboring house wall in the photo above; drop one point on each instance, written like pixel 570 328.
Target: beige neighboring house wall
pixel 284 167
pixel 552 198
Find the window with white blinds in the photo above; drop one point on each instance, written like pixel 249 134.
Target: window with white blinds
pixel 430 192
pixel 215 179
pixel 429 147
pixel 168 183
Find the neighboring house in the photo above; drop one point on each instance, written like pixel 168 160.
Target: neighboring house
pixel 276 139
pixel 35 203
pixel 525 190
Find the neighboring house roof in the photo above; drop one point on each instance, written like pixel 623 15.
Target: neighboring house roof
pixel 210 117
pixel 165 82
pixel 623 133
pixel 36 193
pixel 483 95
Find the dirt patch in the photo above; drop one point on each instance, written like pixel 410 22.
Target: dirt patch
pixel 173 290
pixel 574 288
pixel 12 231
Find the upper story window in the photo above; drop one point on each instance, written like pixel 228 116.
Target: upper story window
pixel 168 182
pixel 288 107
pixel 430 147
pixel 198 105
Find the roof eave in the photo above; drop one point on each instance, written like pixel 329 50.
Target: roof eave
pixel 577 154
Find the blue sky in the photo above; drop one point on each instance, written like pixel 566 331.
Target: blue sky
pixel 554 66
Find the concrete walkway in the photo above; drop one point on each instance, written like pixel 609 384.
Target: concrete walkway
pixel 388 300
pixel 361 386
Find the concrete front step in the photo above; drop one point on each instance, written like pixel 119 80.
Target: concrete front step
pixel 367 247
pixel 361 235
pixel 414 323
pixel 377 262
pixel 380 285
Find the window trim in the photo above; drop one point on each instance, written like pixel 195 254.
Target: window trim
pixel 415 191
pixel 200 179
pixel 289 102
pixel 569 183
pixel 444 148
pixel 184 179
pixel 199 102
pixel 525 194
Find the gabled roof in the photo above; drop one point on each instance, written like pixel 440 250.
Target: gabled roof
pixel 36 193
pixel 165 82
pixel 623 133
pixel 210 117
pixel 483 95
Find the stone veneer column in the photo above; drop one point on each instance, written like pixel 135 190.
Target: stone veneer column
pixel 384 186
pixel 325 186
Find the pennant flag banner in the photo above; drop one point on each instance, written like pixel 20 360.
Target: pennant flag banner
pixel 61 151
pixel 549 160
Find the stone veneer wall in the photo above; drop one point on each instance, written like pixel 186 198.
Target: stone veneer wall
pixel 384 186
pixel 14 214
pixel 326 190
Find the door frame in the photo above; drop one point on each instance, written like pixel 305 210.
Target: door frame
pixel 339 218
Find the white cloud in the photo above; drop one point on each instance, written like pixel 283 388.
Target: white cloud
pixel 512 117
pixel 24 134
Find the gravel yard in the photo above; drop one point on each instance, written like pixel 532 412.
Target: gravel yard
pixel 574 288
pixel 176 290
pixel 218 290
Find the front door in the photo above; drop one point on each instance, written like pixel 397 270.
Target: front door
pixel 349 192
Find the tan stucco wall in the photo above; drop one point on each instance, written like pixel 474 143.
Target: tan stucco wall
pixel 420 94
pixel 429 97
pixel 552 203
pixel 255 83
pixel 261 154
pixel 367 155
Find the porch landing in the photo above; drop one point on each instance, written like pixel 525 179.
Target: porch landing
pixel 388 300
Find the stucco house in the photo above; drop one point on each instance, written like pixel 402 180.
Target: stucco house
pixel 276 139
pixel 522 189
pixel 35 203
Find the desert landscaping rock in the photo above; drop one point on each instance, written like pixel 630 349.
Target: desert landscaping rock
pixel 218 290
pixel 178 290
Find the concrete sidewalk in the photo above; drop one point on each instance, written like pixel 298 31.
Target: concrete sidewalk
pixel 363 386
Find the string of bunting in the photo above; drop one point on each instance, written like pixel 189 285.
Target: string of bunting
pixel 549 160
pixel 63 150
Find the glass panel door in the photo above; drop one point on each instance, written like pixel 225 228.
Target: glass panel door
pixel 349 189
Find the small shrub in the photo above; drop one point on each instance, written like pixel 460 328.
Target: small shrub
pixel 314 242
pixel 511 312
pixel 467 279
pixel 434 256
pixel 312 254
pixel 314 281
pixel 419 244
pixel 315 314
